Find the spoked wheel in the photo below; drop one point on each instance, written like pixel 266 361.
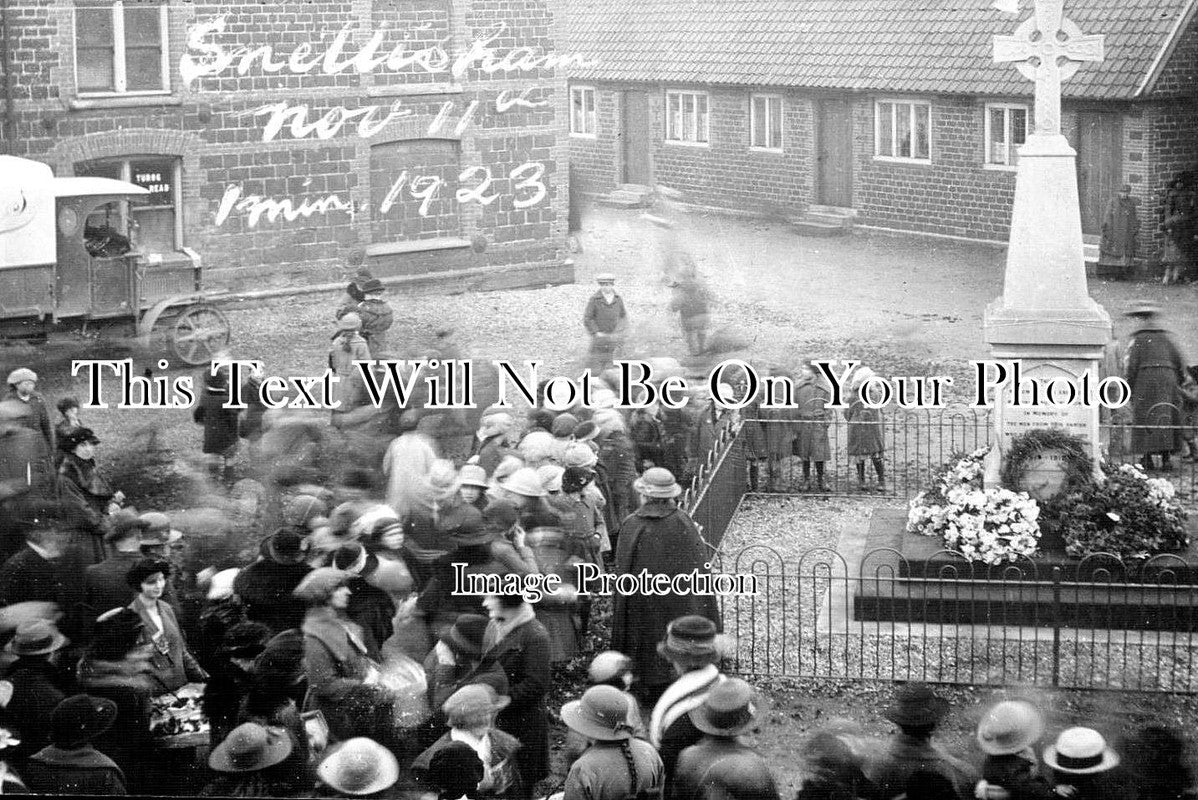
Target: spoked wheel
pixel 199 333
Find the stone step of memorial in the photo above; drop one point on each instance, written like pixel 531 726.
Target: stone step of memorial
pixel 906 578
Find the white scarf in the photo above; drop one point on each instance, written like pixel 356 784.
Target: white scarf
pixel 683 696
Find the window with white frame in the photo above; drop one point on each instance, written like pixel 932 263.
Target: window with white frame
pixel 121 48
pixel 765 121
pixel 582 111
pixel 152 219
pixel 903 130
pixel 1006 129
pixel 686 117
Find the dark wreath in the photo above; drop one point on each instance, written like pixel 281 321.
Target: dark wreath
pixel 1079 466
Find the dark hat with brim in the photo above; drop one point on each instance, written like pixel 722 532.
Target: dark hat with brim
pixel 370 286
pixel 1143 308
pixel 464 524
pixel 250 747
pixel 79 719
pixel 77 437
pixel 693 640
pixel 601 714
pixel 916 705
pixel 285 546
pixel 465 636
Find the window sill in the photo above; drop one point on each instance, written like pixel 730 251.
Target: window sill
pixel 770 150
pixel 417 246
pixel 915 162
pixel 574 135
pixel 1000 167
pixel 680 143
pixel 90 101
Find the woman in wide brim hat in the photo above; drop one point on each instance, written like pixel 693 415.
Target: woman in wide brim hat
pixel 36 637
pixel 733 707
pixel 693 640
pixel 359 767
pixel 1010 727
pixel 249 748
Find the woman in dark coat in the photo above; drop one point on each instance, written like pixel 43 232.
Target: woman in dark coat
pixel 37 684
pixel 1155 369
pixel 70 764
pixel 520 645
pixel 660 538
pixel 220 423
pixel 811 397
pixel 81 484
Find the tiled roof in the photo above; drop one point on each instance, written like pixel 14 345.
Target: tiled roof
pixel 917 46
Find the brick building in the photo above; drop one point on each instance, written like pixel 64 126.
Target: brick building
pixel 894 109
pixel 282 140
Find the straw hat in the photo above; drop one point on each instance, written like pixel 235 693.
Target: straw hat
pixel 474 700
pixel 349 322
pixel 608 665
pixel 524 482
pixel 473 475
pixel 36 637
pixel 359 766
pixel 1010 727
pixel 657 483
pixel 579 454
pixel 1080 751
pixel 731 708
pixel 601 714
pixel 159 530
pixel 551 477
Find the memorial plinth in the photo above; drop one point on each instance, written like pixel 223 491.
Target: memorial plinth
pixel 908 578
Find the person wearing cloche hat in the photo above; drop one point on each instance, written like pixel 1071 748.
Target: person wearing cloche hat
pixel 611 669
pixel 472 480
pixel 616 765
pixel 38 682
pixel 457 660
pixel 22 387
pixel 606 322
pixel 373 312
pixel 730 709
pixel 359 767
pixel 1007 734
pixel 70 764
pixel 1081 764
pixel 470 713
pixel 1155 371
pixel 266 586
pixel 660 538
pixel 917 710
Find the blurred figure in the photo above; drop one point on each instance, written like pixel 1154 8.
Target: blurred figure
pixel 220 423
pixel 864 438
pixel 348 346
pixel 266 586
pixel 811 397
pixel 833 771
pixel 22 387
pixel 1158 764
pixel 1007 734
pixel 365 299
pixel 1155 370
pixel 1120 230
pixel 46 569
pixel 68 409
pixel 455 772
pixel 916 710
pixel 470 713
pixel 606 321
pixel 38 683
pixel 691 300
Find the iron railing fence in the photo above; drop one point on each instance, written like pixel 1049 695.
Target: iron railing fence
pixel 1102 624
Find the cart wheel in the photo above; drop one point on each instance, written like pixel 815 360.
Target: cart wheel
pixel 199 333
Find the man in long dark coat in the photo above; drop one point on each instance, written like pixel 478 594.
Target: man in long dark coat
pixel 1155 369
pixel 661 539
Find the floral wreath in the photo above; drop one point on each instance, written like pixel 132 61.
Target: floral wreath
pixel 1078 465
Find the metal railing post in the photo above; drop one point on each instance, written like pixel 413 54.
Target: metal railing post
pixel 1056 627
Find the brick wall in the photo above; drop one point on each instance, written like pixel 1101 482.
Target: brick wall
pixel 282 160
pixel 1179 76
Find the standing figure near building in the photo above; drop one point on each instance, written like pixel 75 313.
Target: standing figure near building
pixel 1120 229
pixel 865 438
pixel 1155 370
pixel 811 443
pixel 348 346
pixel 1180 223
pixel 691 300
pixel 606 320
pixel 365 300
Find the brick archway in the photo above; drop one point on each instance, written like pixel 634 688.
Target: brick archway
pixel 113 144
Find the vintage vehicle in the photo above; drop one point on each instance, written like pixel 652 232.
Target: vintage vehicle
pixel 69 261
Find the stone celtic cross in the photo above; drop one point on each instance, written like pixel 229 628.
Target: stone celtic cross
pixel 1048 49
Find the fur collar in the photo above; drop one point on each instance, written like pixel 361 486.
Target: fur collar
pixel 498 630
pixel 683 696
